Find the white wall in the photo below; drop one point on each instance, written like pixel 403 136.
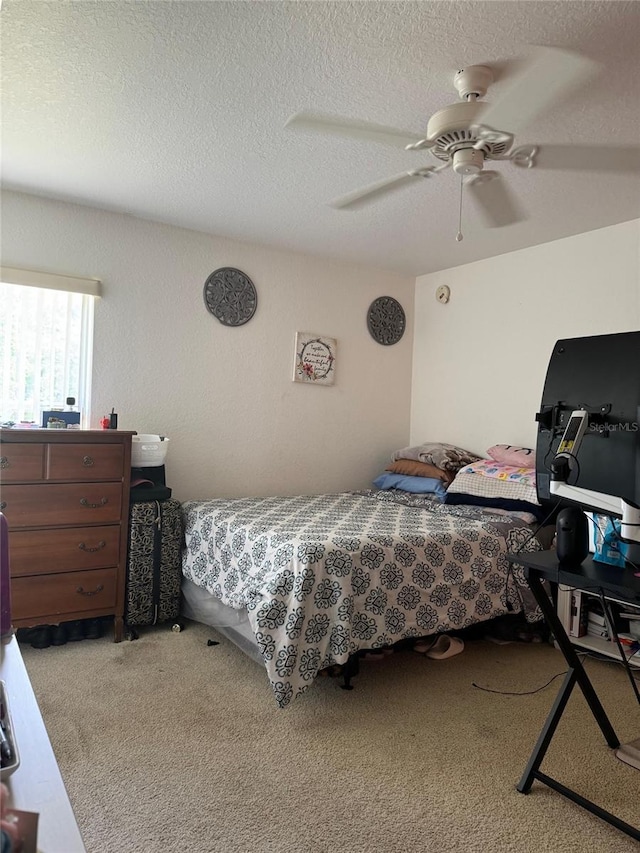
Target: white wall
pixel 480 361
pixel 238 425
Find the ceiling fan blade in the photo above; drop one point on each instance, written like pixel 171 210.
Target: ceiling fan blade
pixel 497 204
pixel 378 188
pixel 353 128
pixel 589 158
pixel 545 79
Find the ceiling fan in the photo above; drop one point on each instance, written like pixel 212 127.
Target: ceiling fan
pixel 468 135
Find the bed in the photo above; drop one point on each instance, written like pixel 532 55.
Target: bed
pixel 303 583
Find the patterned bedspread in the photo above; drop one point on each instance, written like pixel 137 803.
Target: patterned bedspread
pixel 324 576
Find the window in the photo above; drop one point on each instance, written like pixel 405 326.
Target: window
pixel 46 343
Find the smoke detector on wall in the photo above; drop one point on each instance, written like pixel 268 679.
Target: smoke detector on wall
pixel 443 293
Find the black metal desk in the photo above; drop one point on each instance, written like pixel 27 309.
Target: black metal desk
pixel 620 584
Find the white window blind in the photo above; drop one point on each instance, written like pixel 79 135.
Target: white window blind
pixel 46 343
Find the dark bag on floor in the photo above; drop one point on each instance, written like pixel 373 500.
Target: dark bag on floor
pixel 154 562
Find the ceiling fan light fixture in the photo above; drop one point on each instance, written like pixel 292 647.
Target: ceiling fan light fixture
pixel 468 161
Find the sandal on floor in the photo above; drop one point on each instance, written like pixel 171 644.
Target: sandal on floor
pixel 423 646
pixel 445 647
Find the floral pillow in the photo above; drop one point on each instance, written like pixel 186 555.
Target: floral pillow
pixel 446 456
pixel 509 473
pixel 510 454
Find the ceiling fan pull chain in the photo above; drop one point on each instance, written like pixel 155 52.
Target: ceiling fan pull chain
pixel 459 234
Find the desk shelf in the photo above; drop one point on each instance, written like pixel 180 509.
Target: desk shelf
pixel 603 647
pixel 599 645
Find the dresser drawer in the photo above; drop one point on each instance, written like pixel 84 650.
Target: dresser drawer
pixel 57 595
pixel 72 504
pixel 66 549
pixel 84 461
pixel 19 462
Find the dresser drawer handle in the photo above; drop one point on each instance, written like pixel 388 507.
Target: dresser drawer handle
pixel 82 591
pixel 101 544
pixel 4 462
pixel 87 461
pixel 3 505
pixel 85 502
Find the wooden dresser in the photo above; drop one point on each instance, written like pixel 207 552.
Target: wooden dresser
pixel 65 494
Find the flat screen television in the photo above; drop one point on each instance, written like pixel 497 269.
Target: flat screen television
pixel 599 374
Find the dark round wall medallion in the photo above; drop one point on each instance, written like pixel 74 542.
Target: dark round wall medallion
pixel 386 320
pixel 230 296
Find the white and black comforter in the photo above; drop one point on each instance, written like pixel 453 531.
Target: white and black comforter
pixel 324 576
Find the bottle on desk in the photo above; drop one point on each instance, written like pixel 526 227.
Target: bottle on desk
pixel 110 421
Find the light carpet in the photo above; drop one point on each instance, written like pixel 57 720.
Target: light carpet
pixel 167 744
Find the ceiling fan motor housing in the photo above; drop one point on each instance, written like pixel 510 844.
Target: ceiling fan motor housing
pixel 452 129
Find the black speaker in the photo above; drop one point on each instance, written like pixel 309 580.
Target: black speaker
pixel 572 536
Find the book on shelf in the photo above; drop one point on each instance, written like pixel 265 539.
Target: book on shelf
pixel 596 618
pixel 578 622
pixel 564 605
pixel 597 624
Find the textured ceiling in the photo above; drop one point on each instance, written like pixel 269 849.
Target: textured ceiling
pixel 175 111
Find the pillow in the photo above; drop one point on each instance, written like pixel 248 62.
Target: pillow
pixel 497 503
pixel 417 485
pixel 489 468
pixel 510 454
pixel 468 483
pixel 446 456
pixel 419 469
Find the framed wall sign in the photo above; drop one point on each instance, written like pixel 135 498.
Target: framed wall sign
pixel 315 359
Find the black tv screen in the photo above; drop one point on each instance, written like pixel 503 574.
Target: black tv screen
pixel 600 374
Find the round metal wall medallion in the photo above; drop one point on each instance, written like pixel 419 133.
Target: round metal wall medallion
pixel 386 320
pixel 230 296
